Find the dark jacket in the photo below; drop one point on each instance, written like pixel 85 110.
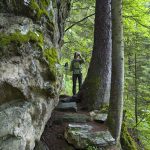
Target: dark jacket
pixel 76 66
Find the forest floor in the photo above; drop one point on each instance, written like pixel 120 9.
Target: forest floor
pixel 53 135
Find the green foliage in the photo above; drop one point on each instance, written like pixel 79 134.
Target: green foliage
pixel 77 39
pixel 67 85
pixel 127 142
pixel 136 33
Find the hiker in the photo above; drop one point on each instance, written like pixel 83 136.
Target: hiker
pixel 76 70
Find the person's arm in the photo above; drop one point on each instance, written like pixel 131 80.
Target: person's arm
pixel 81 59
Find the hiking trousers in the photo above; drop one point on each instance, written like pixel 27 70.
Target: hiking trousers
pixel 74 79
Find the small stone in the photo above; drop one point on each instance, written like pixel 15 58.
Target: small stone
pixel 98 117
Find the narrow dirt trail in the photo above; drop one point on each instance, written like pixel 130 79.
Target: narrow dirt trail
pixel 53 135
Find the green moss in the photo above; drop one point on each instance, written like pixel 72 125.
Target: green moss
pixel 34 6
pixel 17 37
pixel 41 8
pixel 92 148
pixel 45 3
pixel 104 108
pixel 127 142
pixel 52 57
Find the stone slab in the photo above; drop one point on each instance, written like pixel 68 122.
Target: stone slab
pixel 71 106
pixel 72 118
pixel 81 136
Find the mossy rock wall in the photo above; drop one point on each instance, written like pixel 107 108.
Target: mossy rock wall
pixel 31 36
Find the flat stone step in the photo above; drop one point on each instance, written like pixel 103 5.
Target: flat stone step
pixel 71 118
pixel 82 135
pixel 69 99
pixel 68 106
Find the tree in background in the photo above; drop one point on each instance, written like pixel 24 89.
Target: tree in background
pixel 95 89
pixel 117 80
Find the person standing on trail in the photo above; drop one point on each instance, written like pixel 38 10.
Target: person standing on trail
pixel 76 69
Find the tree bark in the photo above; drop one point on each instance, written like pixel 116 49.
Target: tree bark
pixel 136 90
pixel 95 89
pixel 117 80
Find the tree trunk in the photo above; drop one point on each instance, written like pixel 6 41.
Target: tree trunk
pixel 117 81
pixel 136 90
pixel 96 88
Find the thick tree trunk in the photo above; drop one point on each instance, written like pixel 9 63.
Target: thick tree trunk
pixel 117 81
pixel 95 90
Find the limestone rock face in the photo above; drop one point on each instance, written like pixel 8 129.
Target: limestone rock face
pixel 31 35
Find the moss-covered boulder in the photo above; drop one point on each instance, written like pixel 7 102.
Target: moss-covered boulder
pixel 31 36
